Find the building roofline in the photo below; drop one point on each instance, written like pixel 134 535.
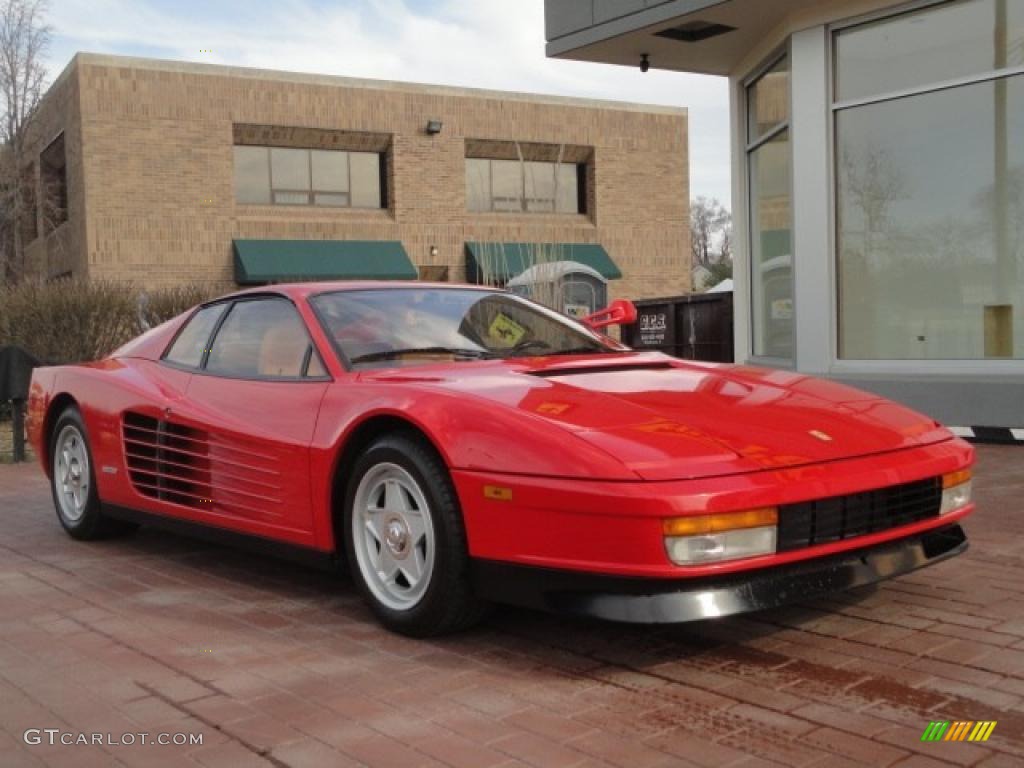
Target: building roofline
pixel 565 42
pixel 283 76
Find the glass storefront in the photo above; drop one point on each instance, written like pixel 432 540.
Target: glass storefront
pixel 929 154
pixel 769 156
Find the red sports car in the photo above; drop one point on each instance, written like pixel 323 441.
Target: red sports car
pixel 460 445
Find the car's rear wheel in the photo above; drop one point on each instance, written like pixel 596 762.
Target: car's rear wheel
pixel 73 482
pixel 405 541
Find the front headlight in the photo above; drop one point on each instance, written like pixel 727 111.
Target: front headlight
pixel 956 491
pixel 712 538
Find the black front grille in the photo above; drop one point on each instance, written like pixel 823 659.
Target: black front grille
pixel 843 517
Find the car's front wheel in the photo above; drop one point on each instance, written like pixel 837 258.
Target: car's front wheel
pixel 73 482
pixel 405 540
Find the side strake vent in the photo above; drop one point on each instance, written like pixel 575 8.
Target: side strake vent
pixel 167 461
pixel 184 465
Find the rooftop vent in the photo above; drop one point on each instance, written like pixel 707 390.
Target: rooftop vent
pixel 695 31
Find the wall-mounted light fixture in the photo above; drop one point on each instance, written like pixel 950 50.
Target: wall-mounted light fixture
pixel 645 62
pixel 434 127
pixel 433 251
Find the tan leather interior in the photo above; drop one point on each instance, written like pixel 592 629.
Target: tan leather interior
pixel 282 351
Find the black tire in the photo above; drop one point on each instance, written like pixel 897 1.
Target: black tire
pixel 91 523
pixel 449 603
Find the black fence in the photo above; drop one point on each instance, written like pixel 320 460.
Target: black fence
pixel 695 327
pixel 15 374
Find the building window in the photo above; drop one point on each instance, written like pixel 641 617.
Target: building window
pixel 28 220
pixel 322 177
pixel 929 149
pixel 193 341
pixel 524 186
pixel 53 179
pixel 769 156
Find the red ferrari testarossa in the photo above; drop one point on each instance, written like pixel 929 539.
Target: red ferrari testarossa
pixel 460 445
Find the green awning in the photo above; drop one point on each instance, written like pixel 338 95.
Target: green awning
pixel 277 261
pixel 503 261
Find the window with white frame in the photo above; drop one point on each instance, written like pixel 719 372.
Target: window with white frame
pixel 769 156
pixel 929 151
pixel 523 186
pixel 297 176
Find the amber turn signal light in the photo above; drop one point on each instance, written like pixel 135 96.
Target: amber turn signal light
pixel 728 521
pixel 497 493
pixel 953 479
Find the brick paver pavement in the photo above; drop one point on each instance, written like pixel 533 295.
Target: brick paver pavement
pixel 276 665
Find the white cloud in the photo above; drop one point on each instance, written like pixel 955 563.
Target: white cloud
pixel 480 43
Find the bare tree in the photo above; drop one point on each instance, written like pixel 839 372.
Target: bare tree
pixel 710 232
pixel 717 272
pixel 871 181
pixel 725 242
pixel 24 38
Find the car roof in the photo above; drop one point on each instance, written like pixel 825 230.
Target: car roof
pixel 305 290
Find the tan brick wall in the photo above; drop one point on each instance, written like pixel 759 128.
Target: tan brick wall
pixel 158 175
pixel 62 250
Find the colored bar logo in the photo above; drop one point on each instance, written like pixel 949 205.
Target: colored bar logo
pixel 959 730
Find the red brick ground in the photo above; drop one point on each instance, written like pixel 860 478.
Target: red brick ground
pixel 280 666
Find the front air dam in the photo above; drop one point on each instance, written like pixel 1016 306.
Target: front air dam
pixel 651 601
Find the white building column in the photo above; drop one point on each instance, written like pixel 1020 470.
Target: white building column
pixel 740 223
pixel 812 209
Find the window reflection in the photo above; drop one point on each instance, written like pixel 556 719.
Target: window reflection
pixel 252 175
pixel 412 326
pixel 511 186
pixel 768 173
pixel 930 186
pixel 292 176
pixel 931 225
pixel 771 248
pixel 932 45
pixel 768 101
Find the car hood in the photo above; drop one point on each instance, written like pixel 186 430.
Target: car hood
pixel 667 419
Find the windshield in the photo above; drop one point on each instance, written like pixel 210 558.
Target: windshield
pixel 404 326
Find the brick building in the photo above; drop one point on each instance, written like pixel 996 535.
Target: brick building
pixel 166 172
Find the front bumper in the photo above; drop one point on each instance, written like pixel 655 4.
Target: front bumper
pixel 616 528
pixel 648 601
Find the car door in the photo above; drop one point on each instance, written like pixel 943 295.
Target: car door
pixel 248 416
pixel 166 472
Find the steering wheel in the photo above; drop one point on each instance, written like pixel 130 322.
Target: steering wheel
pixel 522 346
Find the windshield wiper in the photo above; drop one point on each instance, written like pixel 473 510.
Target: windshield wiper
pixel 393 354
pixel 584 351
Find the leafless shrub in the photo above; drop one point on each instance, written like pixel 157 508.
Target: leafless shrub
pixel 159 306
pixel 68 320
pixel 72 320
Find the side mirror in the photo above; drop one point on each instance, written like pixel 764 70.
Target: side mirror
pixel 619 312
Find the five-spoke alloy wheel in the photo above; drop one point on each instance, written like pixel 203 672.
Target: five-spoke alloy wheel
pixel 72 473
pixel 393 536
pixel 73 481
pixel 405 540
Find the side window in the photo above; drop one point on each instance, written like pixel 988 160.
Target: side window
pixel 315 369
pixel 264 338
pixel 189 346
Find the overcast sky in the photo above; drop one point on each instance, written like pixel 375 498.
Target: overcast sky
pixel 481 43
